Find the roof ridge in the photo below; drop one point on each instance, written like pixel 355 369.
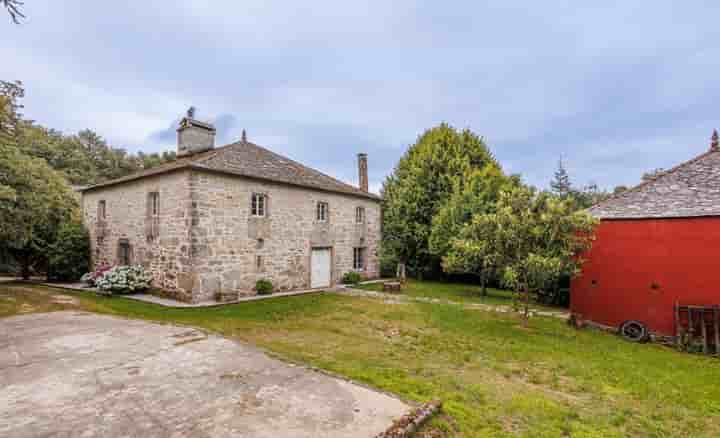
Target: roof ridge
pixel 653 180
pixel 306 167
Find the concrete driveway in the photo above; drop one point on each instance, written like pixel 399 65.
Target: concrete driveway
pixel 79 374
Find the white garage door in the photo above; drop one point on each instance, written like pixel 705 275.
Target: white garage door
pixel 320 275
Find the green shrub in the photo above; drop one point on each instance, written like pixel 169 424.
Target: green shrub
pixel 351 277
pixel 123 280
pixel 68 257
pixel 264 287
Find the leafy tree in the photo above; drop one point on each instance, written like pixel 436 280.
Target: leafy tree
pixel 68 257
pixel 588 196
pixel 420 185
pixel 619 189
pixel 478 196
pixel 533 238
pixel 651 175
pixel 34 201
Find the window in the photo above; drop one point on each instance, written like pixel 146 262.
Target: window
pixel 154 204
pixel 124 252
pixel 358 259
pixel 360 215
pixel 322 211
pixel 101 209
pixel 152 220
pixel 259 263
pixel 258 205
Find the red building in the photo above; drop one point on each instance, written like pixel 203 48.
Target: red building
pixel 657 244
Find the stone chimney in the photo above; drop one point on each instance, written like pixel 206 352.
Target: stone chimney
pixel 194 136
pixel 363 169
pixel 714 141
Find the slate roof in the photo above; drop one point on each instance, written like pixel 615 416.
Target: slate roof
pixel 691 189
pixel 252 161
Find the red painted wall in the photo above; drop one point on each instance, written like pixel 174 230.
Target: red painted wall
pixel 682 256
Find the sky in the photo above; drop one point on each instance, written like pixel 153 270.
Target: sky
pixel 614 88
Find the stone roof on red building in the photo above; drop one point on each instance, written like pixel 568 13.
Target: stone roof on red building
pixel 691 189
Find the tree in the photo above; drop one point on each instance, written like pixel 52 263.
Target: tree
pixel 619 189
pixel 68 257
pixel 35 200
pixel 420 185
pixel 560 185
pixel 13 8
pixel 533 238
pixel 651 175
pixel 478 196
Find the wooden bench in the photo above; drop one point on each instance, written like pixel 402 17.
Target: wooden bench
pixel 392 286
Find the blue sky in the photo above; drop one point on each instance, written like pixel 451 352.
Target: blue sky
pixel 615 88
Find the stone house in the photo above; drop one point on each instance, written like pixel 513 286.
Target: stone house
pixel 217 219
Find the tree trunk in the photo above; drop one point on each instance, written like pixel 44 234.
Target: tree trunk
pixel 483 282
pixel 526 310
pixel 25 267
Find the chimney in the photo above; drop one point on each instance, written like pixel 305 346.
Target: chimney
pixel 194 136
pixel 363 169
pixel 714 141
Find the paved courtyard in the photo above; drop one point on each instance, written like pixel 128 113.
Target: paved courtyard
pixel 85 375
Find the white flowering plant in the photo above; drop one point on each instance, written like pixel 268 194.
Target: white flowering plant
pixel 123 280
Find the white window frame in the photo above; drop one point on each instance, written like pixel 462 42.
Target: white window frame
pixel 360 215
pixel 258 205
pixel 359 259
pixel 322 211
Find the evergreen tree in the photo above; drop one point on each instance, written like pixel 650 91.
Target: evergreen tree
pixel 560 185
pixel 421 183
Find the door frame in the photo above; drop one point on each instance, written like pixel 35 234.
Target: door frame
pixel 332 265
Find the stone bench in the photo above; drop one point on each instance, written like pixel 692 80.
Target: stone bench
pixel 392 286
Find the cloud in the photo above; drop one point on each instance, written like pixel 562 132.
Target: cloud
pixel 616 89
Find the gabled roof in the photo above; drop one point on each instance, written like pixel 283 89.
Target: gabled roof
pixel 252 161
pixel 691 189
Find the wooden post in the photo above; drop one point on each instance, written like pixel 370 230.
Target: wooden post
pixel 716 329
pixel 703 330
pixel 678 335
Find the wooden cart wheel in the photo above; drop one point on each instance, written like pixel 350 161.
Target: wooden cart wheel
pixel 634 331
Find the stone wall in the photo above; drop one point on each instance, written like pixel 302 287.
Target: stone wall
pixel 168 255
pixel 227 240
pixel 209 243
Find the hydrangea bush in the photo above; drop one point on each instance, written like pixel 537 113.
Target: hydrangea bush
pixel 122 280
pixel 92 277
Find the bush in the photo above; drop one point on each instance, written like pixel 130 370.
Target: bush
pixel 264 287
pixel 351 277
pixel 91 278
pixel 68 257
pixel 123 280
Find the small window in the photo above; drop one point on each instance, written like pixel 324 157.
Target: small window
pixel 259 263
pixel 358 259
pixel 124 252
pixel 258 205
pixel 101 209
pixel 360 215
pixel 154 204
pixel 322 211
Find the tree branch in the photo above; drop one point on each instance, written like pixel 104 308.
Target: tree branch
pixel 13 8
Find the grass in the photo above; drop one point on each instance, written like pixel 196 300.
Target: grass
pixel 458 292
pixel 495 378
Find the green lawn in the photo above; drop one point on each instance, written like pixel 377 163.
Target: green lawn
pixel 495 378
pixel 458 292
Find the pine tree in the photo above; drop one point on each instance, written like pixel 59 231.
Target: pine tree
pixel 560 184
